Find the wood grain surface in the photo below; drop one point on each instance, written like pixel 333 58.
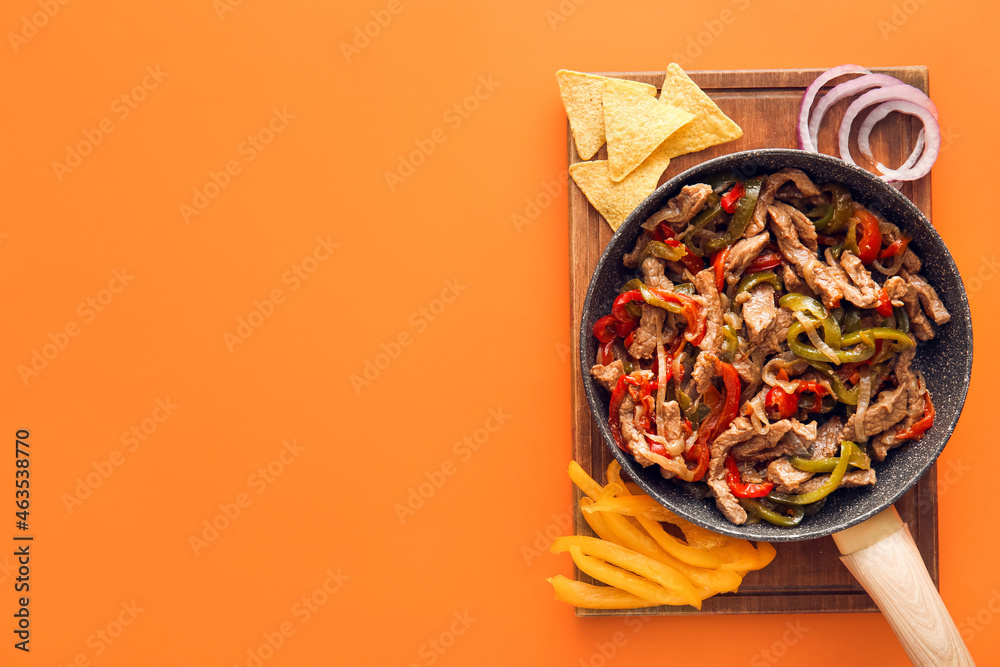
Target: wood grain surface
pixel 806 576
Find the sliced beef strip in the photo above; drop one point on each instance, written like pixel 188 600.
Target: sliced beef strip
pixel 759 311
pixel 886 410
pixel 608 375
pixel 828 439
pixel 704 282
pixel 864 291
pixel 785 476
pixel 803 225
pixel 742 254
pixel 739 430
pixel 771 185
pixel 681 208
pixel 786 436
pixel 644 344
pixel 817 275
pixel 793 281
pixel 911 262
pixel 631 259
pixel 652 273
pixel 928 297
pixel 776 336
pixel 902 292
pixel 851 478
pixel 704 371
pixel 886 440
pixel 669 423
pixel 748 364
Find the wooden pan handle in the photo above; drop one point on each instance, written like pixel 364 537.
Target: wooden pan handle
pixel 883 557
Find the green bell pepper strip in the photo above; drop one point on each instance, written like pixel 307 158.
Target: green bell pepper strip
pixel 721 181
pixel 902 319
pixel 840 391
pixel 858 353
pixel 869 336
pixel 741 218
pixel 684 401
pixel 754 279
pixel 858 460
pixel 663 251
pixel 846 449
pixel 654 300
pixel 732 344
pixel 800 302
pixel 821 216
pixel 758 510
pixel 843 208
pixel 851 240
pixel 852 319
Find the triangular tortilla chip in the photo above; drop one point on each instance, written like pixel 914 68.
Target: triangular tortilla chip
pixel 635 124
pixel 581 95
pixel 615 200
pixel 710 126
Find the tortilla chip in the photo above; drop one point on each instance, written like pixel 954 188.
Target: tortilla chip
pixel 581 95
pixel 710 126
pixel 615 200
pixel 635 124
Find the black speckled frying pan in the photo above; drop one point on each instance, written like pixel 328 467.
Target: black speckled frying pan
pixel 945 361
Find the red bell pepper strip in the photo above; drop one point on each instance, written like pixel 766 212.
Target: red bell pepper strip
pixel 740 489
pixel 767 259
pixel 730 198
pixel 718 419
pixel 690 309
pixel 618 307
pixel 607 357
pixel 785 403
pixel 719 263
pixel 817 389
pixel 606 328
pixel 918 429
pixel 871 238
pixel 614 421
pixel 884 307
pixel 897 247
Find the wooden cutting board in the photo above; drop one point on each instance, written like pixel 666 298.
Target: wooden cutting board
pixel 806 576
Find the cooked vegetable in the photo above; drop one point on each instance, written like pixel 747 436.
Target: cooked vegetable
pixel 846 449
pixel 741 218
pixel 741 489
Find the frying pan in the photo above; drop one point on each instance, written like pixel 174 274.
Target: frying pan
pixel 862 520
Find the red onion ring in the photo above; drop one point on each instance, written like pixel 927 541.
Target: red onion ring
pixel 805 140
pixel 926 113
pixel 845 90
pixel 872 119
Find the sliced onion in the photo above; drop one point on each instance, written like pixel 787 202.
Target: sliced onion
pixel 820 344
pixel 758 418
pixel 842 91
pixel 932 137
pixel 864 396
pixel 880 112
pixel 805 140
pixel 769 373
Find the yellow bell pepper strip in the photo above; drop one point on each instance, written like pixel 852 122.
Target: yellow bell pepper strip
pixel 583 481
pixel 846 449
pixel 644 566
pixel 741 218
pixel 635 584
pixel 588 596
pixel 793 517
pixel 682 552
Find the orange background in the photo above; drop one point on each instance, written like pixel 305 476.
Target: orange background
pixel 401 581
